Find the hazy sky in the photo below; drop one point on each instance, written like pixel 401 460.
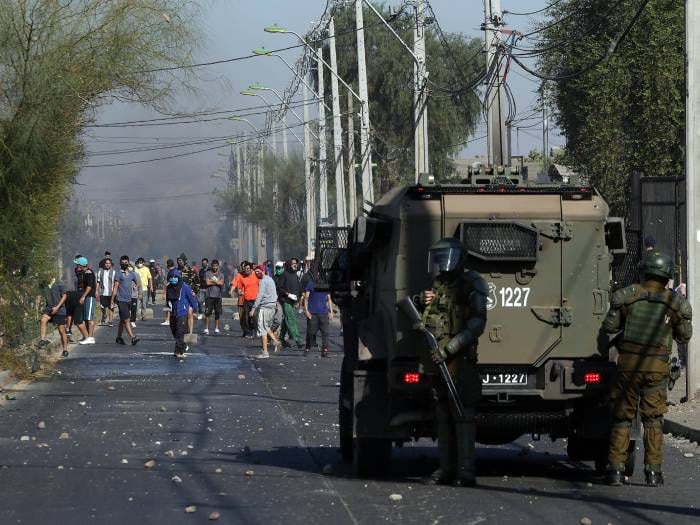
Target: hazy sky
pixel 232 28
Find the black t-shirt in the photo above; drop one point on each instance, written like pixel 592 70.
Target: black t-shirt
pixel 89 280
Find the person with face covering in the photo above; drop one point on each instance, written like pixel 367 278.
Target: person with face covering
pixel 181 300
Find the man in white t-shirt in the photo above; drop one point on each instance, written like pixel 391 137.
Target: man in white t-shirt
pixel 105 283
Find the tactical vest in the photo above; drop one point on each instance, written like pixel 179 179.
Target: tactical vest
pixel 649 319
pixel 444 317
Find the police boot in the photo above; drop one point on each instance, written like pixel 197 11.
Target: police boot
pixel 466 452
pixel 654 477
pixel 615 475
pixel 447 451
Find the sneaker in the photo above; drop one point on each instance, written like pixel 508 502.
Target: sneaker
pixel 44 343
pixel 262 355
pixel 307 350
pixel 217 331
pixel 120 341
pixel 277 347
pixel 64 353
pixel 187 348
pixel 205 331
pixel 200 316
pixel 285 344
pixel 164 323
pixel 134 340
pixel 70 339
pixel 133 324
pixel 614 477
pixel 87 341
pixel 324 352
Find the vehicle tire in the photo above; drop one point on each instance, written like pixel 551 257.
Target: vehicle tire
pixel 371 456
pixel 345 405
pixel 631 456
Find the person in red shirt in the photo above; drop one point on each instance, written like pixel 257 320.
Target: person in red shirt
pixel 245 284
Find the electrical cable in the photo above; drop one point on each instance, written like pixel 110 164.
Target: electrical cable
pixel 553 4
pixel 611 50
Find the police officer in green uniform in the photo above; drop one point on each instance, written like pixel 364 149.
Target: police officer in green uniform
pixel 455 313
pixel 650 317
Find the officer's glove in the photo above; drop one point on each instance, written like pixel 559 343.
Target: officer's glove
pixel 674 373
pixel 438 355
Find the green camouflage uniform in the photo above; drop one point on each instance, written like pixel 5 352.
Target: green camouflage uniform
pixel 189 276
pixel 456 317
pixel 650 317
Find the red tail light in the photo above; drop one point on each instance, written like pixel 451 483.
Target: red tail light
pixel 411 378
pixel 592 378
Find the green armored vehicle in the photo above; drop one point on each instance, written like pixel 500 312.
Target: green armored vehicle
pixel 545 251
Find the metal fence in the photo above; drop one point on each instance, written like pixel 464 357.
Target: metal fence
pixel 657 210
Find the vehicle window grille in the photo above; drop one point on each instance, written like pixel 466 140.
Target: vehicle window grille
pixel 500 241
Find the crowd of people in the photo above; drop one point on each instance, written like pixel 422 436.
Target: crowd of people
pixel 269 298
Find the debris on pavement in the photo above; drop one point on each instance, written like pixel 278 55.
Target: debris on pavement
pixel 249 472
pixel 688 455
pixel 586 521
pixel 395 497
pixel 150 464
pixel 191 509
pixel 41 425
pixel 64 435
pixel 214 516
pixel 170 453
pixel 176 479
pixel 24 438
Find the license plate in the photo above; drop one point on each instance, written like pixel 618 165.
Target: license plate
pixel 499 378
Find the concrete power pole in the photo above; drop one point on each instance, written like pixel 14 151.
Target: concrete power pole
pixel 352 181
pixel 309 181
pixel 495 122
pixel 322 156
pixel 365 146
pixel 420 96
pixel 545 142
pixel 692 130
pixel 341 214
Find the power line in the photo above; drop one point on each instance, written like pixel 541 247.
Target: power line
pixel 553 4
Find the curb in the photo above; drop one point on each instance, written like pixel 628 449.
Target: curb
pixel 681 429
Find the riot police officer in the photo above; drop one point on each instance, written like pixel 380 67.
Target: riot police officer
pixel 650 316
pixel 455 313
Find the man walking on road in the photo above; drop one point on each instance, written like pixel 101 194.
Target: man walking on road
pixel 650 317
pixel 105 284
pixel 170 265
pixel 87 300
pixel 246 285
pixel 123 285
pixel 55 313
pixel 318 309
pixel 291 294
pixel 264 305
pixel 214 281
pixel 180 300
pixel 75 309
pixel 202 295
pixel 146 284
pixel 191 278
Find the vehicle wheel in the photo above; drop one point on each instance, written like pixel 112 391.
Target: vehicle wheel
pixel 631 456
pixel 345 405
pixel 371 456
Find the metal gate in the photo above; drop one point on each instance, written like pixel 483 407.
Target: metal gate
pixel 657 210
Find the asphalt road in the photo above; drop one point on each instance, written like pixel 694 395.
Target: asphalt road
pixel 251 440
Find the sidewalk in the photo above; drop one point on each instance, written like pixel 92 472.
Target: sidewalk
pixel 682 419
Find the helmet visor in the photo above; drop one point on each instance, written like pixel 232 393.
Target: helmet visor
pixel 444 259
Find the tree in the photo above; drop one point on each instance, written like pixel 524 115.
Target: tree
pixel 59 61
pixel 628 113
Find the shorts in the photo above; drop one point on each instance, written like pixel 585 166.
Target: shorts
pixel 89 308
pixel 265 316
pixel 213 304
pixel 58 320
pixel 105 301
pixel 124 310
pixel 74 308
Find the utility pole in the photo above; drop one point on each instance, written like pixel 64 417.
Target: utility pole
pixel 322 157
pixel 495 121
pixel 352 181
pixel 341 214
pixel 309 180
pixel 420 95
pixel 365 147
pixel 692 156
pixel 545 141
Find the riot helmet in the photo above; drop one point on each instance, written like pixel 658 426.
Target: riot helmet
pixel 446 255
pixel 657 264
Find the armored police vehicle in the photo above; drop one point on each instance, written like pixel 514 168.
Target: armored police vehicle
pixel 545 251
